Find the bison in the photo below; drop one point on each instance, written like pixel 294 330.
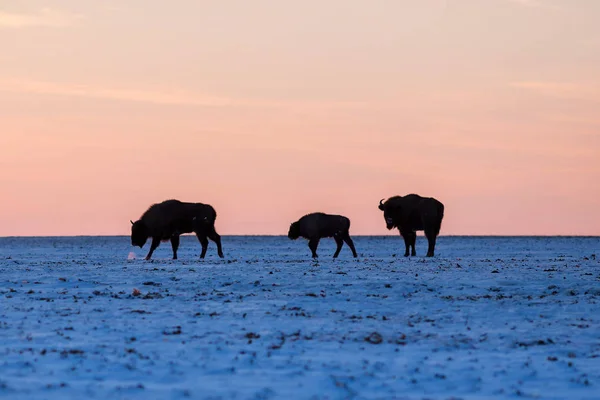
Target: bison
pixel 413 213
pixel 319 225
pixel 171 218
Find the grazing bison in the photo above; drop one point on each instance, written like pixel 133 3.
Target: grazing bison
pixel 413 213
pixel 319 225
pixel 171 218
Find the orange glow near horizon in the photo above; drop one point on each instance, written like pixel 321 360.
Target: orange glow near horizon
pixel 272 110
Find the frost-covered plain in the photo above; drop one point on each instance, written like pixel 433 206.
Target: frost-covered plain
pixel 488 317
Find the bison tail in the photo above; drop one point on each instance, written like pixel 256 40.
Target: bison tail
pixel 438 226
pixel 212 215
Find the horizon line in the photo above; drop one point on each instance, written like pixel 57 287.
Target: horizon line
pixel 283 235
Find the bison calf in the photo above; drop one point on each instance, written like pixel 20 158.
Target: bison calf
pixel 319 225
pixel 171 218
pixel 413 213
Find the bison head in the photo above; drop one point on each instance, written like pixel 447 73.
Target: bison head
pixel 387 214
pixel 139 233
pixel 294 232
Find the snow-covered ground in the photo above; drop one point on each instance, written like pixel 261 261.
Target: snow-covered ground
pixel 486 318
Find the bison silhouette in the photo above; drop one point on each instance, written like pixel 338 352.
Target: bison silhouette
pixel 172 218
pixel 319 225
pixel 412 213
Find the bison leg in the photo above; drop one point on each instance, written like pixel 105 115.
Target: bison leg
pixel 431 224
pixel 175 245
pixel 431 237
pixel 215 237
pixel 340 243
pixel 312 245
pixel 204 242
pixel 153 246
pixel 413 242
pixel 350 244
pixel 409 240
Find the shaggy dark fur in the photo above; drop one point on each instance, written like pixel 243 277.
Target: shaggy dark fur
pixel 413 213
pixel 172 218
pixel 318 225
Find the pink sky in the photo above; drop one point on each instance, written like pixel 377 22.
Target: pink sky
pixel 271 109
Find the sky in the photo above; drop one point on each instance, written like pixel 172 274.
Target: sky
pixel 272 109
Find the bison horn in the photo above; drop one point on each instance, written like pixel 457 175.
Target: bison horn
pixel 131 222
pixel 381 204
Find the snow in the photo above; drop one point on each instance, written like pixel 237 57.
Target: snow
pixel 488 317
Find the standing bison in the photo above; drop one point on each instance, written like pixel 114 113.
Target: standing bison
pixel 171 218
pixel 413 213
pixel 319 225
